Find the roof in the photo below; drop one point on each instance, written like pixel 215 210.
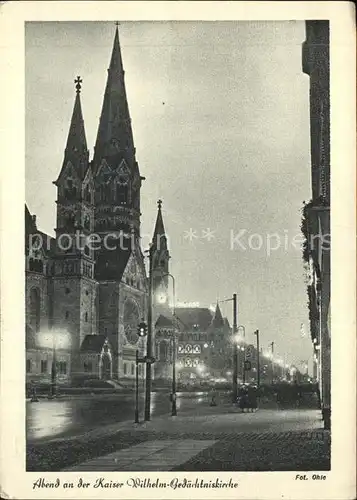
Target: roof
pixel 48 242
pixel 93 343
pixel 111 264
pixel 164 322
pixel 217 321
pixel 194 318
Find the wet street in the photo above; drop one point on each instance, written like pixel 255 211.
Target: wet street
pixel 68 416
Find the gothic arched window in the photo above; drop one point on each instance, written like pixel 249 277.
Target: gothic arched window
pixel 70 190
pixel 86 222
pixel 35 309
pixel 131 321
pixel 121 194
pixel 163 351
pixel 87 195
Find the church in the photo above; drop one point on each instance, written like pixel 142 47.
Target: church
pixel 87 288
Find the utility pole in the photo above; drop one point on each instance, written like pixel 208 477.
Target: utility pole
pixel 149 345
pixel 258 359
pixel 272 362
pixel 235 349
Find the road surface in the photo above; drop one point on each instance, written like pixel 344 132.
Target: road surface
pixel 68 416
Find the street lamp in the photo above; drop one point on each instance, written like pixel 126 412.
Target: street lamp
pixel 258 359
pixel 235 347
pixel 54 339
pixel 272 361
pixel 173 396
pixel 242 327
pixel 142 332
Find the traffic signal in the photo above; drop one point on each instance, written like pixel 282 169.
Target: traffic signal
pixel 142 329
pixel 247 366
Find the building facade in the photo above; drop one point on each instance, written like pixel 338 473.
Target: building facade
pixel 87 288
pixel 316 216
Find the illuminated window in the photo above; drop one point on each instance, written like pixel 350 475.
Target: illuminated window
pixel 62 367
pixel 181 349
pixel 188 348
pixel 188 362
pixel 197 349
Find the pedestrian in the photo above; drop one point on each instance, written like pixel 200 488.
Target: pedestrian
pixel 34 398
pixel 213 400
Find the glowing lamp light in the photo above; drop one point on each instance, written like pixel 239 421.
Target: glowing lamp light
pixel 201 368
pixel 205 345
pixel 238 339
pixel 58 339
pixel 161 298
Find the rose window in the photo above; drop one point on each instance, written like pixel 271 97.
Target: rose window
pixel 131 321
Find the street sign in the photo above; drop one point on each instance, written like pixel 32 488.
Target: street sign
pixel 247 365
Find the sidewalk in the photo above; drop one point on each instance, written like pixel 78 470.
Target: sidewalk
pixel 214 436
pixel 249 451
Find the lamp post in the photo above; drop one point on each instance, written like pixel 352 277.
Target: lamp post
pixel 173 395
pixel 53 391
pixel 142 332
pixel 258 359
pixel 272 361
pixel 241 327
pixel 235 347
pixel 149 345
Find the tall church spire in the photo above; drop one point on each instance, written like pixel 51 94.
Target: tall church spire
pixel 115 137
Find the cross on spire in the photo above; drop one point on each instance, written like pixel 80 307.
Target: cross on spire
pixel 117 23
pixel 78 82
pixel 159 203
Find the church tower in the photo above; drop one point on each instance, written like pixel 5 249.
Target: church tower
pixel 74 288
pixel 119 262
pixel 163 320
pixel 116 175
pixel 160 265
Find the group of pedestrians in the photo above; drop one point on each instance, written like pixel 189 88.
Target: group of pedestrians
pixel 247 398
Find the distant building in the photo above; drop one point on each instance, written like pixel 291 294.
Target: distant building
pixel 204 344
pixel 316 221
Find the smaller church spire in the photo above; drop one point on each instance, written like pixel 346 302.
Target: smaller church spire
pixel 76 141
pixel 159 241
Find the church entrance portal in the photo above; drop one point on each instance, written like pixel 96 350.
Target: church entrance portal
pixel 106 367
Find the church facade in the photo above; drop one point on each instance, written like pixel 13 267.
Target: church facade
pixel 87 288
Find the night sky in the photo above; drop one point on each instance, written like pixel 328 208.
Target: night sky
pixel 220 116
